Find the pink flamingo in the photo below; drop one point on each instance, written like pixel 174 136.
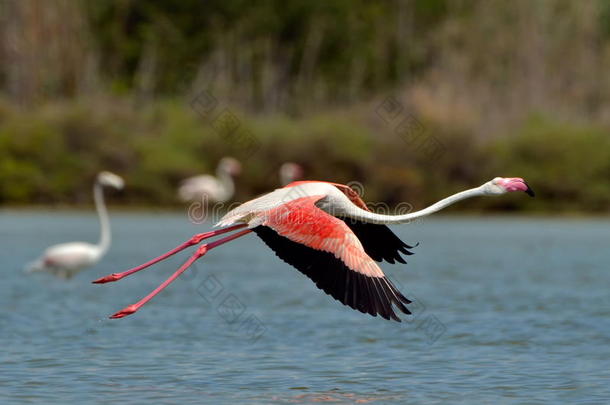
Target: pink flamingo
pixel 325 231
pixel 216 189
pixel 67 259
pixel 290 172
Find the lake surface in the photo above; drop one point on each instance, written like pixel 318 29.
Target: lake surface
pixel 506 310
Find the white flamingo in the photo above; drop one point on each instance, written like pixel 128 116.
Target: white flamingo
pixel 290 172
pixel 215 189
pixel 67 259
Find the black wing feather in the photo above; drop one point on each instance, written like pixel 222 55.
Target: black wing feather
pixel 379 242
pixel 373 295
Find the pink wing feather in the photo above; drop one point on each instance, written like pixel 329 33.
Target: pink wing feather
pixel 304 224
pixel 301 221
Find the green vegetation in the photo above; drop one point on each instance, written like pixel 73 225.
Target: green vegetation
pixel 504 88
pixel 51 155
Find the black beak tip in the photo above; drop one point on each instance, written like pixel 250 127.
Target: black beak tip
pixel 530 192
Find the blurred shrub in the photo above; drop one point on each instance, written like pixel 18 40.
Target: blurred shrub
pixel 52 154
pixel 568 165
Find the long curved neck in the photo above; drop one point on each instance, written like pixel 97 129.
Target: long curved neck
pixel 227 183
pixel 100 206
pixel 371 217
pixel 285 177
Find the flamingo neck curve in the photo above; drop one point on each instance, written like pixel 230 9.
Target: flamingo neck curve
pixel 228 185
pixel 100 206
pixel 371 217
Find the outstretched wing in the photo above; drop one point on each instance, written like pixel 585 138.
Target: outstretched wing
pixel 347 190
pixel 326 250
pixel 379 241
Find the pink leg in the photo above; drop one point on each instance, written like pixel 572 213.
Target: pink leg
pixel 195 239
pixel 201 250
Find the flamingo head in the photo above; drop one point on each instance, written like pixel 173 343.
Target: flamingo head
pixel 110 179
pixel 230 165
pixel 290 172
pixel 502 185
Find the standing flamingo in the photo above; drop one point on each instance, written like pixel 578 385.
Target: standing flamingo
pixel 290 172
pixel 216 189
pixel 67 259
pixel 326 231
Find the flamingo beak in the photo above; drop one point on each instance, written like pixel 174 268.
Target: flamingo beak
pixel 517 184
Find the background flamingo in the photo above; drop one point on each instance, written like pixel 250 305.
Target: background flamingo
pixel 290 172
pixel 326 231
pixel 215 189
pixel 67 259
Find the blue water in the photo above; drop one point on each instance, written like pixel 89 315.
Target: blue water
pixel 507 310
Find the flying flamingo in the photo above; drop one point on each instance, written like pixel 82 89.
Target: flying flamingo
pixel 290 172
pixel 216 189
pixel 67 259
pixel 325 231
